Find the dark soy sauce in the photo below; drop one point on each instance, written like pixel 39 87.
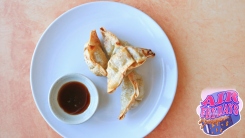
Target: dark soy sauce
pixel 74 97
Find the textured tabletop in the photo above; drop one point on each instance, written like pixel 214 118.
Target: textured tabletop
pixel 208 38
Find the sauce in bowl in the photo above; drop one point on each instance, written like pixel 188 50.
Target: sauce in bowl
pixel 73 97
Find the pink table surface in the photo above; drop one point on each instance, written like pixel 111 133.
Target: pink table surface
pixel 208 37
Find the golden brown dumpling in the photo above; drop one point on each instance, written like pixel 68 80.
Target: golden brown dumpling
pixel 109 40
pixel 117 67
pixel 94 56
pixel 139 55
pixel 132 92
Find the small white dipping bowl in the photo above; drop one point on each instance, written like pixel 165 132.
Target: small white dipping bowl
pixel 59 113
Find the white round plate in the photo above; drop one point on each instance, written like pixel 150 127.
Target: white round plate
pixel 60 51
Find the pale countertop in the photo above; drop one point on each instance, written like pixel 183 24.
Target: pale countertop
pixel 208 37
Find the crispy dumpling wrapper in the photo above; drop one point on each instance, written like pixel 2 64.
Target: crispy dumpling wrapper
pixel 117 67
pixel 139 55
pixel 109 40
pixel 94 56
pixel 132 93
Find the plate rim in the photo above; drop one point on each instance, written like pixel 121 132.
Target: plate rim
pixel 91 3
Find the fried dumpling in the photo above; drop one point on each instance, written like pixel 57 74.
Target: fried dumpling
pixel 139 55
pixel 109 40
pixel 117 67
pixel 94 56
pixel 132 93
